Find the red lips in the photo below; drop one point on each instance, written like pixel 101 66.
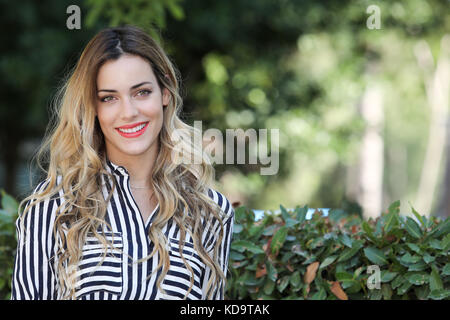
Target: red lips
pixel 129 126
pixel 133 134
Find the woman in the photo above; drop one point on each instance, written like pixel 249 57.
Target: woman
pixel 119 215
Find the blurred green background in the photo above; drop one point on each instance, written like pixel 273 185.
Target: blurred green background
pixel 362 112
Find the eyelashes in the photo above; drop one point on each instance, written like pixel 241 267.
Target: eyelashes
pixel 146 91
pixel 105 99
pixel 141 93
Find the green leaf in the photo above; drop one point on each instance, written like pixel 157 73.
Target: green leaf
pixel 439 294
pixel 290 222
pixel 435 244
pixel 270 230
pixel 250 280
pixel 295 279
pixel 417 278
pixel 237 228
pixel 445 243
pixel 350 252
pixel 285 258
pixel 375 295
pixel 301 214
pixel 422 292
pixel 9 203
pixel 346 279
pixel 417 215
pixel 242 245
pixel 283 283
pixel 269 286
pixel 255 230
pixel 443 228
pixel 354 288
pixel 398 281
pixel 284 213
pixel 428 258
pixel 440 229
pixel 404 287
pixel 278 239
pixel 176 10
pixel 394 207
pixel 446 269
pixel 386 291
pixel 414 247
pixel 413 228
pixel 375 255
pixel 391 221
pixel 272 272
pixel 315 243
pixel 419 266
pixel 341 276
pixel 240 213
pixel 336 214
pixel 327 261
pixel 239 264
pixel 346 240
pixel 367 228
pixel 236 256
pixel 357 272
pixel 387 276
pixel 320 295
pixel 435 281
pixel 309 260
pixel 408 258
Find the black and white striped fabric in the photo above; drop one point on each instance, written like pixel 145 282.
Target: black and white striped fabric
pixel 119 276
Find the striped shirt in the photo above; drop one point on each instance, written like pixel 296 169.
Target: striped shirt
pixel 117 277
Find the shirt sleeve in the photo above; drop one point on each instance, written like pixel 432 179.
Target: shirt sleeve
pixel 34 276
pixel 224 246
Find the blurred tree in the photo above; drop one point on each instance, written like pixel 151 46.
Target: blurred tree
pixel 300 66
pixel 37 52
pixel 143 13
pixel 36 49
pixel 437 84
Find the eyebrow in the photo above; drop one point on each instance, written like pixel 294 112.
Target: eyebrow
pixel 133 87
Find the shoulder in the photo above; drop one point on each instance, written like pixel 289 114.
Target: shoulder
pixel 222 201
pixel 42 204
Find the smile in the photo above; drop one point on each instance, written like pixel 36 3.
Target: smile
pixel 133 131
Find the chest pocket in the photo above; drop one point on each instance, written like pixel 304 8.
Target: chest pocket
pixel 177 281
pixel 98 272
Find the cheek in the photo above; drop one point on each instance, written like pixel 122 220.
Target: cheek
pixel 151 110
pixel 104 118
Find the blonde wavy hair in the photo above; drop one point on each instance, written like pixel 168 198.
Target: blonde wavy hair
pixel 74 149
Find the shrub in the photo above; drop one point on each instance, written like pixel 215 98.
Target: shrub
pixel 290 257
pixel 287 256
pixel 8 242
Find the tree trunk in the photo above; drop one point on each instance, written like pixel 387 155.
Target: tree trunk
pixel 443 209
pixel 372 154
pixel 437 84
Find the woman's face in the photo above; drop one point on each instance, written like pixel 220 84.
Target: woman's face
pixel 129 107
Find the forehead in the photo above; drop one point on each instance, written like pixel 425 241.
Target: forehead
pixel 124 72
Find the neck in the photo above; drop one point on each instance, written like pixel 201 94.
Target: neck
pixel 140 167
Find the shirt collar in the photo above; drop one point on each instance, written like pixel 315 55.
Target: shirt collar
pixel 119 170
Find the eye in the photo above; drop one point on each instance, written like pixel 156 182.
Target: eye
pixel 106 99
pixel 144 92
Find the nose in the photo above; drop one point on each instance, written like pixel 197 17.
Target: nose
pixel 129 110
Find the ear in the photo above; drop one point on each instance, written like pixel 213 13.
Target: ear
pixel 166 97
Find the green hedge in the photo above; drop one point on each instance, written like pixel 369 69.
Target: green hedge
pixel 286 256
pixel 8 242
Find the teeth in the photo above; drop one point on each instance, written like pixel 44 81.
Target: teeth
pixel 132 130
